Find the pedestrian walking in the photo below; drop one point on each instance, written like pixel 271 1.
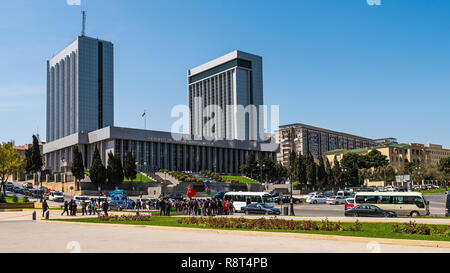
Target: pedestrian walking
pixel 44 207
pixel 66 208
pixel 71 207
pixel 105 207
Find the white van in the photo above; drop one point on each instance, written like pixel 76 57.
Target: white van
pixel 56 196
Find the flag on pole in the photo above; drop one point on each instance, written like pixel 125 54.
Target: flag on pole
pixel 191 193
pixel 207 190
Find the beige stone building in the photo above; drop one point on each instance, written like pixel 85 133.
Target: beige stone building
pixel 399 154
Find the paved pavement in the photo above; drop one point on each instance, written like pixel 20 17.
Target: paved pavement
pixel 45 237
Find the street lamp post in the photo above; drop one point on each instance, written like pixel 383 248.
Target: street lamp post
pixel 292 201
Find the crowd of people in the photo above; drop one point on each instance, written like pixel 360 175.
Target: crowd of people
pixel 196 207
pixel 91 207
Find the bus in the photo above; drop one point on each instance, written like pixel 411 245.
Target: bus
pixel 403 203
pixel 242 199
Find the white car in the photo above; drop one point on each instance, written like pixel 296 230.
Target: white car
pixel 336 200
pixel 56 196
pixel 316 199
pixel 79 198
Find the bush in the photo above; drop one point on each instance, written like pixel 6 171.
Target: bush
pixel 262 224
pixel 25 199
pixel 117 218
pixel 2 199
pixel 15 199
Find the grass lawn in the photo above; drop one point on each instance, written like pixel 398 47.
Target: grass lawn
pixel 241 179
pixel 432 191
pixel 9 200
pixel 139 178
pixel 374 230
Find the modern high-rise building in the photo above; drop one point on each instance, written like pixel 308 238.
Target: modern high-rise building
pixel 226 96
pixel 80 88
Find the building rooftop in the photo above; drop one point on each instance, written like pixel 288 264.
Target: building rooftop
pixel 322 129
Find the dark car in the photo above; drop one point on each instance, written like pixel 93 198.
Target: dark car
pixel 9 186
pixel 16 189
pixel 24 191
pixel 369 211
pixel 260 209
pixel 219 195
pixel 447 204
pixel 287 199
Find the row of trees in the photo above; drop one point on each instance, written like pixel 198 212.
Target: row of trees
pixel 113 175
pixel 263 169
pixel 350 171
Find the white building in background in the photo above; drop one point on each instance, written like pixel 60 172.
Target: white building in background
pixel 235 80
pixel 80 88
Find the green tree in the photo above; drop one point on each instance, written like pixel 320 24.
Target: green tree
pixel 311 167
pixel 409 167
pixel 350 170
pixel 10 163
pixel 329 172
pixel 114 170
pixel 97 172
pixel 337 172
pixel 444 165
pixel 375 159
pixel 322 178
pixel 249 168
pixel 77 167
pixel 129 167
pixel 35 157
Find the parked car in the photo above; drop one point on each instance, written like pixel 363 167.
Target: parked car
pixel 36 193
pixel 328 193
pixel 336 200
pixel 219 195
pixel 447 204
pixel 24 191
pixel 369 211
pixel 287 199
pixel 349 203
pixel 56 196
pixel 16 189
pixel 9 186
pixel 317 199
pixel 260 208
pixel 27 185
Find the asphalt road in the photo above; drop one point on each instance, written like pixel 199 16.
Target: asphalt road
pixel 42 237
pixel 437 207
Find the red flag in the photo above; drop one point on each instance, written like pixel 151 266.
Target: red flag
pixel 190 193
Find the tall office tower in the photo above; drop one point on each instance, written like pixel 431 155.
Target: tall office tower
pixel 80 88
pixel 226 98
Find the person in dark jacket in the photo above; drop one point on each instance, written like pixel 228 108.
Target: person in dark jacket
pixel 74 206
pixel 167 203
pixel 66 208
pixel 162 206
pixel 71 207
pixel 44 207
pixel 105 207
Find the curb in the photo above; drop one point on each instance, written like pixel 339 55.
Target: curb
pixel 403 242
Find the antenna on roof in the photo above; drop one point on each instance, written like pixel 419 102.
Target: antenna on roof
pixel 83 14
pixel 84 23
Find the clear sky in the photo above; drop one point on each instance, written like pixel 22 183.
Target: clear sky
pixel 374 71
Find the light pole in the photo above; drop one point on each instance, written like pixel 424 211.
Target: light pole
pixel 292 201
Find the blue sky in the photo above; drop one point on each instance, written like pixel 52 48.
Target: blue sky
pixel 374 71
